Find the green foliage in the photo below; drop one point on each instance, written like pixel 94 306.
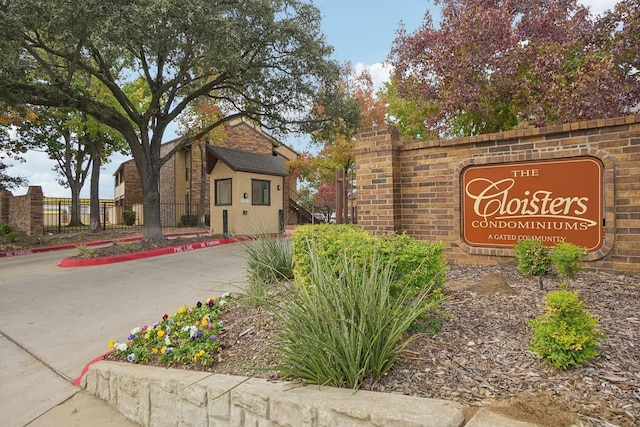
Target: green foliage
pixel 532 258
pixel 566 334
pixel 191 220
pixel 566 258
pixel 8 234
pixel 416 263
pixel 328 240
pixel 86 252
pixel 269 260
pixel 129 217
pixel 188 337
pixel 344 326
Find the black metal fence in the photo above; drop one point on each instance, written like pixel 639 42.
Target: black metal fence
pixel 57 214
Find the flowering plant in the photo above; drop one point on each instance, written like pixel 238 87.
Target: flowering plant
pixel 188 336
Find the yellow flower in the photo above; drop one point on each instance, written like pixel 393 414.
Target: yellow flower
pixel 146 336
pixel 201 353
pixel 182 309
pixel 163 349
pixel 160 333
pixel 111 344
pixel 154 350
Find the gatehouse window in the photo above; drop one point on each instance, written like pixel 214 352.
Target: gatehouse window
pixel 261 192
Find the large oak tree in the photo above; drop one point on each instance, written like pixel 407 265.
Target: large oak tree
pixel 263 59
pixel 495 65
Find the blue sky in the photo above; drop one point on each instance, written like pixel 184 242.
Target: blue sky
pixel 361 32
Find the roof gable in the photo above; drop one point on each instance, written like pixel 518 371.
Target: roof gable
pixel 242 161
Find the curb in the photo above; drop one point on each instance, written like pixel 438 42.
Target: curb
pixel 77 262
pixel 31 251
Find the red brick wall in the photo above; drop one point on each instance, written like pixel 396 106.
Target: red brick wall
pixel 133 187
pixel 410 186
pixel 242 136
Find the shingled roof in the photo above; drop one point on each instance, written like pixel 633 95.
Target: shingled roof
pixel 242 161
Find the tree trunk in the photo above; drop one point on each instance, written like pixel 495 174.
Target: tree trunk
pixel 96 160
pixel 76 221
pixel 152 226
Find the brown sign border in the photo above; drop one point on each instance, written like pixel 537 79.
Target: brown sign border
pixel 528 164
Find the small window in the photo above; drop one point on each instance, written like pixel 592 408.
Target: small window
pixel 261 192
pixel 223 192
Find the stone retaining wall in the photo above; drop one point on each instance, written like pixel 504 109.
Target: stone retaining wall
pixel 160 397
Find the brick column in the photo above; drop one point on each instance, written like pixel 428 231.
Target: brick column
pixel 377 178
pixel 35 199
pixel 5 197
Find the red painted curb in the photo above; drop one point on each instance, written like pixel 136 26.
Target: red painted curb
pixel 31 251
pixel 78 380
pixel 76 262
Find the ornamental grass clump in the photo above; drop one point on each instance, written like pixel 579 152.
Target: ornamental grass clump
pixel 269 260
pixel 188 337
pixel 343 326
pixel 566 334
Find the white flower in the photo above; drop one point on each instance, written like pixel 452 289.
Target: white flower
pixel 135 330
pixel 121 346
pixel 192 331
pixel 226 295
pixel 222 303
pixel 167 341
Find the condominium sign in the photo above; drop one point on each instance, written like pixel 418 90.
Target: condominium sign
pixel 551 201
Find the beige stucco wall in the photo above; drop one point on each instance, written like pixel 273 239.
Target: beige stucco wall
pixel 256 218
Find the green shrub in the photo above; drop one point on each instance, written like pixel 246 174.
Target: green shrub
pixel 344 326
pixel 566 258
pixel 417 263
pixel 566 334
pixel 532 258
pixel 8 234
pixel 191 220
pixel 269 259
pixel 129 217
pixel 329 240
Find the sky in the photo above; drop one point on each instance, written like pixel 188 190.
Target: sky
pixel 361 32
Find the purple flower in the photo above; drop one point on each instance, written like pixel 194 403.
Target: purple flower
pixel 199 334
pixel 199 304
pixel 211 303
pixel 131 357
pixel 131 337
pixel 213 337
pixel 169 350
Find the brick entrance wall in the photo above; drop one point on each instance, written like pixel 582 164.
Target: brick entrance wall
pixel 414 187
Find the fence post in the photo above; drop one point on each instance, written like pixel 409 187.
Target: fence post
pixel 104 216
pixel 59 216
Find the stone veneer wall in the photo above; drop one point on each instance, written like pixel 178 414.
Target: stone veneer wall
pixel 159 397
pixel 24 213
pixel 414 187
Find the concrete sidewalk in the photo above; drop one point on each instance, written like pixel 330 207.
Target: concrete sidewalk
pixel 54 320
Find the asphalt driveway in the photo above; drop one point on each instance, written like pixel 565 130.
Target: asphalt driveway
pixel 53 321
